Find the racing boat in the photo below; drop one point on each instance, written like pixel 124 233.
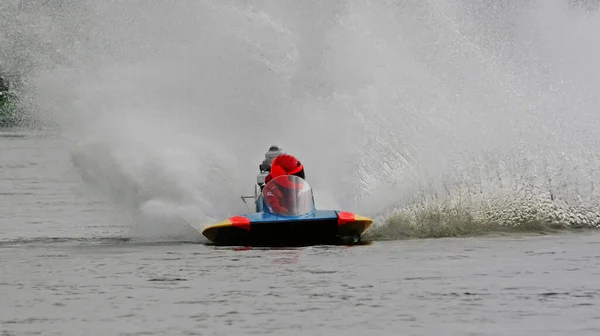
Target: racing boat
pixel 298 224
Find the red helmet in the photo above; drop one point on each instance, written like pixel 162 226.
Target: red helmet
pixel 286 164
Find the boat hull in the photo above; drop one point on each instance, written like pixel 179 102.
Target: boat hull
pixel 322 227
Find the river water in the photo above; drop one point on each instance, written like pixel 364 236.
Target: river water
pixel 68 266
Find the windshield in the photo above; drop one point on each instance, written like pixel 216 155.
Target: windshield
pixel 288 195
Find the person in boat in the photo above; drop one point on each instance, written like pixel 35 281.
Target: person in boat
pixel 278 193
pixel 265 167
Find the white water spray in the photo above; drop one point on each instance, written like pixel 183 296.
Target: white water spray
pixel 487 105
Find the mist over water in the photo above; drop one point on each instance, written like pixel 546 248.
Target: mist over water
pixel 396 109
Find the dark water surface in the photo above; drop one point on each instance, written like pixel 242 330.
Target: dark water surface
pixel 66 270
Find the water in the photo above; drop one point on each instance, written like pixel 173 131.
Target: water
pixel 501 286
pixel 70 264
pixel 437 118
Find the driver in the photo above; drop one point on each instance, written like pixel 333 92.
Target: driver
pixel 278 193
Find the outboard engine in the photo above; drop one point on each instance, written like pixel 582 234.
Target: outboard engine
pixel 265 167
